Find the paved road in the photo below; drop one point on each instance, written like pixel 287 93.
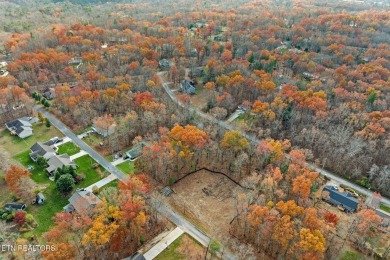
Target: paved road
pixel 187 227
pixel 163 243
pixel 256 141
pixel 96 156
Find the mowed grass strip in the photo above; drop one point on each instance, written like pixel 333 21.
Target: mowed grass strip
pixel 126 167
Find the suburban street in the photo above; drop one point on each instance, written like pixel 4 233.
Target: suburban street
pixel 165 210
pixel 255 140
pixel 95 155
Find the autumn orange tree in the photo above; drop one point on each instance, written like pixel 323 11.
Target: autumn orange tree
pixel 18 181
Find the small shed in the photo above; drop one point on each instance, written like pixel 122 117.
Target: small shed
pixel 40 199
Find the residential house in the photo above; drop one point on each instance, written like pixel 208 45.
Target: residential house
pixel 82 202
pixel 343 199
pixel 164 63
pixel 13 206
pixel 40 199
pixel 21 127
pixel 187 87
pixel 42 149
pixel 104 131
pixel 49 93
pixel 75 61
pixel 57 161
pixel 136 151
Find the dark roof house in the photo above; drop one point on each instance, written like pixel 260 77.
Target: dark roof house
pixel 341 198
pixel 21 127
pixel 136 151
pixel 83 202
pixel 42 149
pixel 49 93
pixel 187 87
pixel 14 206
pixel 57 161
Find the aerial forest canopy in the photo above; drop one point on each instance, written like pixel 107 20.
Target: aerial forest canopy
pixel 262 94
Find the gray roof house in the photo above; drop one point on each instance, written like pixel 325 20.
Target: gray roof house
pixel 166 63
pixel 40 198
pixel 82 202
pixel 341 198
pixel 42 149
pixel 104 132
pixel 187 87
pixel 57 161
pixel 14 206
pixel 21 127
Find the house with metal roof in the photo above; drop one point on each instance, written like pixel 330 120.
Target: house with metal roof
pixel 136 151
pixel 343 199
pixel 82 202
pixel 21 127
pixel 58 161
pixel 41 149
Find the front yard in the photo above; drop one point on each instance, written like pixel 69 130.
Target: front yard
pixel 126 167
pixel 68 148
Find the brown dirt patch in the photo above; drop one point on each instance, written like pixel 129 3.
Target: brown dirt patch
pixel 208 200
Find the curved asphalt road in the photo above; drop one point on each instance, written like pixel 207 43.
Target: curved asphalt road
pixel 96 156
pixel 335 178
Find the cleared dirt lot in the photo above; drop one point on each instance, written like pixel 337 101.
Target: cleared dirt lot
pixel 209 200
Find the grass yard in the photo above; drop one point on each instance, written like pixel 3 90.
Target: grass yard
pixel 185 247
pixel 126 167
pixel 93 139
pixel 55 201
pixel 92 175
pixel 15 145
pixel 69 148
pixel 114 184
pixel 385 208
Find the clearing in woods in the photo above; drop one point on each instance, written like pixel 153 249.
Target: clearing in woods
pixel 209 200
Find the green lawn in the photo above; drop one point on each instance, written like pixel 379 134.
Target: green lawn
pixel 85 165
pixel 93 139
pixel 15 145
pixel 55 201
pixel 385 208
pixel 126 167
pixel 68 148
pixel 114 184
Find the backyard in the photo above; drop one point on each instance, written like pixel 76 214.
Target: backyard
pixel 15 145
pixel 55 201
